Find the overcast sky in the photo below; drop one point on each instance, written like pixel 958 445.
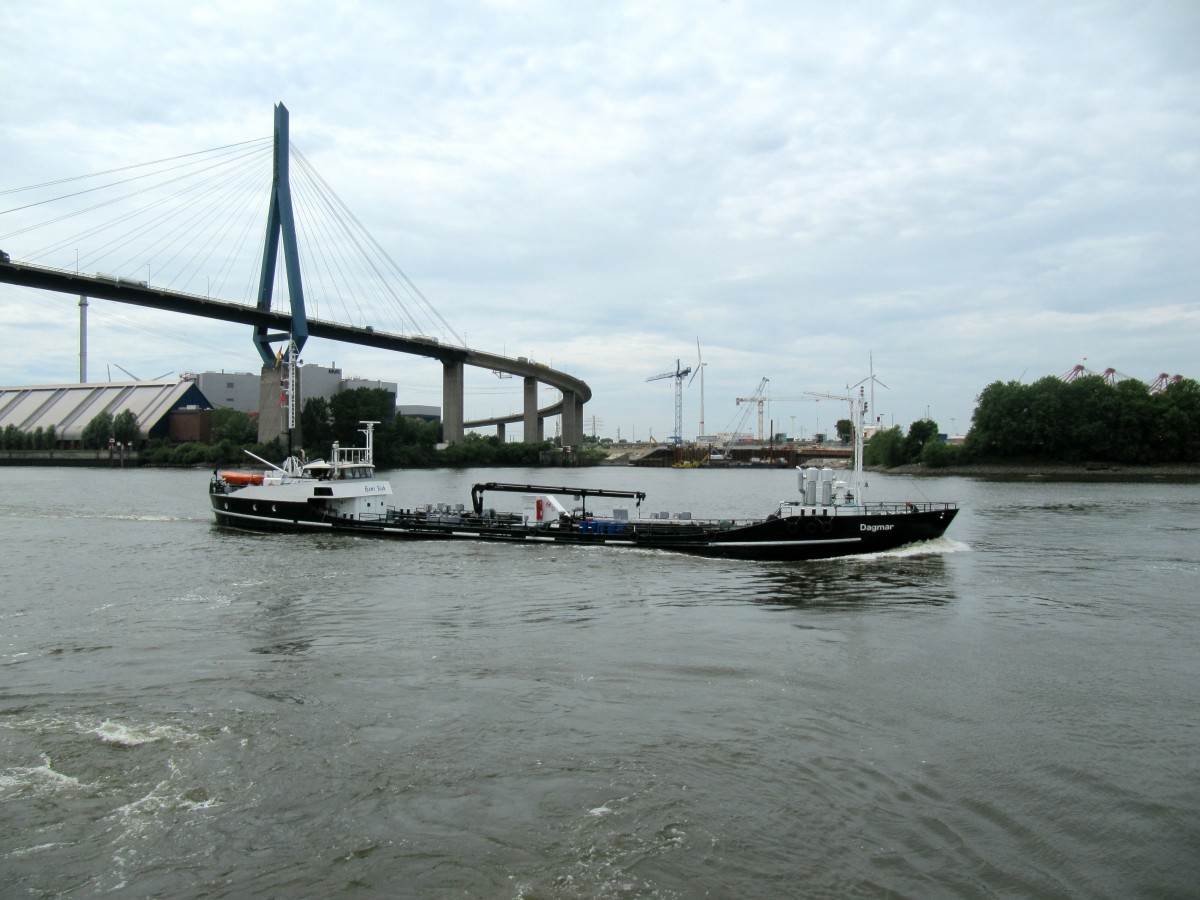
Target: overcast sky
pixel 963 192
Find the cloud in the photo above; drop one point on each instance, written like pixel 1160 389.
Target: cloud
pixel 968 193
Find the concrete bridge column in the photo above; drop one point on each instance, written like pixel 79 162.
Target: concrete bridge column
pixel 272 414
pixel 533 422
pixel 452 402
pixel 500 433
pixel 271 417
pixel 579 420
pixel 572 429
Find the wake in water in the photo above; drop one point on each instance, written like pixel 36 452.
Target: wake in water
pixel 937 547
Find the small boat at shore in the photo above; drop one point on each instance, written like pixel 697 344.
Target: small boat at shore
pixel 343 495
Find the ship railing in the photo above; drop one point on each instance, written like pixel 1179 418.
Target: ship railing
pixel 353 456
pixel 789 508
pixel 899 508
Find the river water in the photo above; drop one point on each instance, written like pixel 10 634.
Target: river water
pixel 186 711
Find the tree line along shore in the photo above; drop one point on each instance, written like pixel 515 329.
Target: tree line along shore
pixel 1050 426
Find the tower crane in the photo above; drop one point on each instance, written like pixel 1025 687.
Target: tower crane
pixel 771 400
pixel 678 375
pixel 856 412
pixel 759 398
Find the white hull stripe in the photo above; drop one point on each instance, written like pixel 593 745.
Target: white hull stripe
pixel 308 523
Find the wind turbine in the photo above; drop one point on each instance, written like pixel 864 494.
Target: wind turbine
pixel 135 378
pixel 700 364
pixel 871 378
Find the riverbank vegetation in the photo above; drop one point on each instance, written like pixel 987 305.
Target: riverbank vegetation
pixel 401 442
pixel 1051 421
pixel 1087 420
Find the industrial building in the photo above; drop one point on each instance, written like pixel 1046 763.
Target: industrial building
pixel 240 390
pixel 164 409
pixel 178 410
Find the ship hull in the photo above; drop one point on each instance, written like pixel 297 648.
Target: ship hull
pixel 790 538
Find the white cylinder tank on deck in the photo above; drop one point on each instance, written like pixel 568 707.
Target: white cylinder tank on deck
pixel 810 486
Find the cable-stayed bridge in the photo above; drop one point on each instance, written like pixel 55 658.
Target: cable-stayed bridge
pixel 182 219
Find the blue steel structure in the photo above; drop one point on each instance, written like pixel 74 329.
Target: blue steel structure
pixel 280 223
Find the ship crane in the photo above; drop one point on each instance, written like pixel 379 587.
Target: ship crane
pixel 679 374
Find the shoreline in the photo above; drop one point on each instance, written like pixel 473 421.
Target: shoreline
pixel 1065 471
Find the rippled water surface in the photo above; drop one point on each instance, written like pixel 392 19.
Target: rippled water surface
pixel 187 711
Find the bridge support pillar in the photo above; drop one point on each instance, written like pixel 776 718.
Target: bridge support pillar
pixel 452 402
pixel 272 414
pixel 532 422
pixel 572 419
pixel 578 438
pixel 500 432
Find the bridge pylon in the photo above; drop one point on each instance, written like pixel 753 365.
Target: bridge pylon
pixel 281 224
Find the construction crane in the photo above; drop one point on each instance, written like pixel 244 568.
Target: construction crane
pixel 771 400
pixel 757 397
pixel 679 374
pixel 847 398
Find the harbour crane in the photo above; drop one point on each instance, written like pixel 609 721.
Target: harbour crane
pixel 679 374
pixel 1164 381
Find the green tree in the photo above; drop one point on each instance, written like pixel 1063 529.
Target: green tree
pixel 920 433
pixel 1130 437
pixel 1175 424
pixel 885 448
pixel 845 430
pixel 1086 419
pixel 349 408
pixel 97 432
pixel 1044 411
pixel 939 454
pixel 996 423
pixel 408 443
pixel 234 426
pixel 51 438
pixel 316 424
pixel 125 427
